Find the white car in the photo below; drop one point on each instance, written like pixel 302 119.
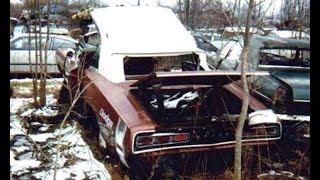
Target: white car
pixel 19 52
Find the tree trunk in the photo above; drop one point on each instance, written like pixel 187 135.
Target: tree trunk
pixel 35 78
pixel 42 92
pixel 245 102
pixel 187 11
pixel 43 82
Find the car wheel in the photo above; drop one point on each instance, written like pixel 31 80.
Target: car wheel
pixel 64 94
pixel 89 121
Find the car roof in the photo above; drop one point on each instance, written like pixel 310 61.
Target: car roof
pixel 143 30
pixel 44 35
pixel 270 42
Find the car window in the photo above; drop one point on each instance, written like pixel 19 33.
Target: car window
pixel 20 44
pixel 62 43
pixel 285 57
pixel 205 45
pixel 25 44
pixel 35 43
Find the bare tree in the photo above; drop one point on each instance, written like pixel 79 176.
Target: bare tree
pixel 245 102
pixel 38 68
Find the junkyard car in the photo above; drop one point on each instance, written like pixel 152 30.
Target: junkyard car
pixel 21 44
pixel 287 89
pixel 148 100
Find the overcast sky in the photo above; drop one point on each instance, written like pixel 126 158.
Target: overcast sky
pixel 276 4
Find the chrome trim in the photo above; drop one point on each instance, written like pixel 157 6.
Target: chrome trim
pixel 301 100
pixel 164 134
pixel 293 117
pixel 196 145
pixel 120 148
pixel 283 67
pixel 264 96
pixel 121 156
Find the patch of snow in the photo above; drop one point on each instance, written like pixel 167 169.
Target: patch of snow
pixel 19 167
pixel 75 159
pixel 22 149
pixel 15 126
pixel 51 100
pixel 44 128
pixel 41 137
pixel 16 103
pixel 46 112
pixel 28 113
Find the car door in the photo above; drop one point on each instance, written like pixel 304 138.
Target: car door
pixel 19 53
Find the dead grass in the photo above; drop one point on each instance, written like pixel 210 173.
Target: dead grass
pixel 23 88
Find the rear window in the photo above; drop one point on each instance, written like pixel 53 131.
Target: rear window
pixel 147 65
pixel 285 57
pixel 62 44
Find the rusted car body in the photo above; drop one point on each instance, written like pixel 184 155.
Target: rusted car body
pixel 153 102
pixel 148 116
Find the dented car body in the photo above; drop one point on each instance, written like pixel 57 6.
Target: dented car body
pixel 152 101
pixel 175 112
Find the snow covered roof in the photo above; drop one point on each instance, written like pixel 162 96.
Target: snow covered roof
pixel 143 29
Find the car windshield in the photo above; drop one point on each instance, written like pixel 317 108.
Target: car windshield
pixel 204 44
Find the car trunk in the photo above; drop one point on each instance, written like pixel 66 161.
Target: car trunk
pixel 188 97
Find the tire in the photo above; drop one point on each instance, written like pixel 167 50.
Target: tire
pixel 88 120
pixel 64 96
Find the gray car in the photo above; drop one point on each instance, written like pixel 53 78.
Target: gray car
pixel 287 89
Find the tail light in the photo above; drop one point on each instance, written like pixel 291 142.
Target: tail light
pixel 162 139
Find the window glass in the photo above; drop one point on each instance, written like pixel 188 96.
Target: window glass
pixel 25 44
pixel 285 57
pixel 63 44
pixel 33 43
pixel 20 44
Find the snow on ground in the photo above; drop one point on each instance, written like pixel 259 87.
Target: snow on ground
pixel 33 145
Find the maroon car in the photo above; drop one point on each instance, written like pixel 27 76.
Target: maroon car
pixel 153 103
pixel 173 113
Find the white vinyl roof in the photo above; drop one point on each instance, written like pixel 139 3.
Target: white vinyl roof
pixel 143 29
pixel 140 31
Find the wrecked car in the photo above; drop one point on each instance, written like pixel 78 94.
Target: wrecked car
pixel 145 94
pixel 287 89
pixel 22 45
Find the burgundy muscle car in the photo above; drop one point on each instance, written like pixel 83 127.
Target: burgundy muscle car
pixel 149 100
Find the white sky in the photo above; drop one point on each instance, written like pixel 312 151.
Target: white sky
pixel 276 4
